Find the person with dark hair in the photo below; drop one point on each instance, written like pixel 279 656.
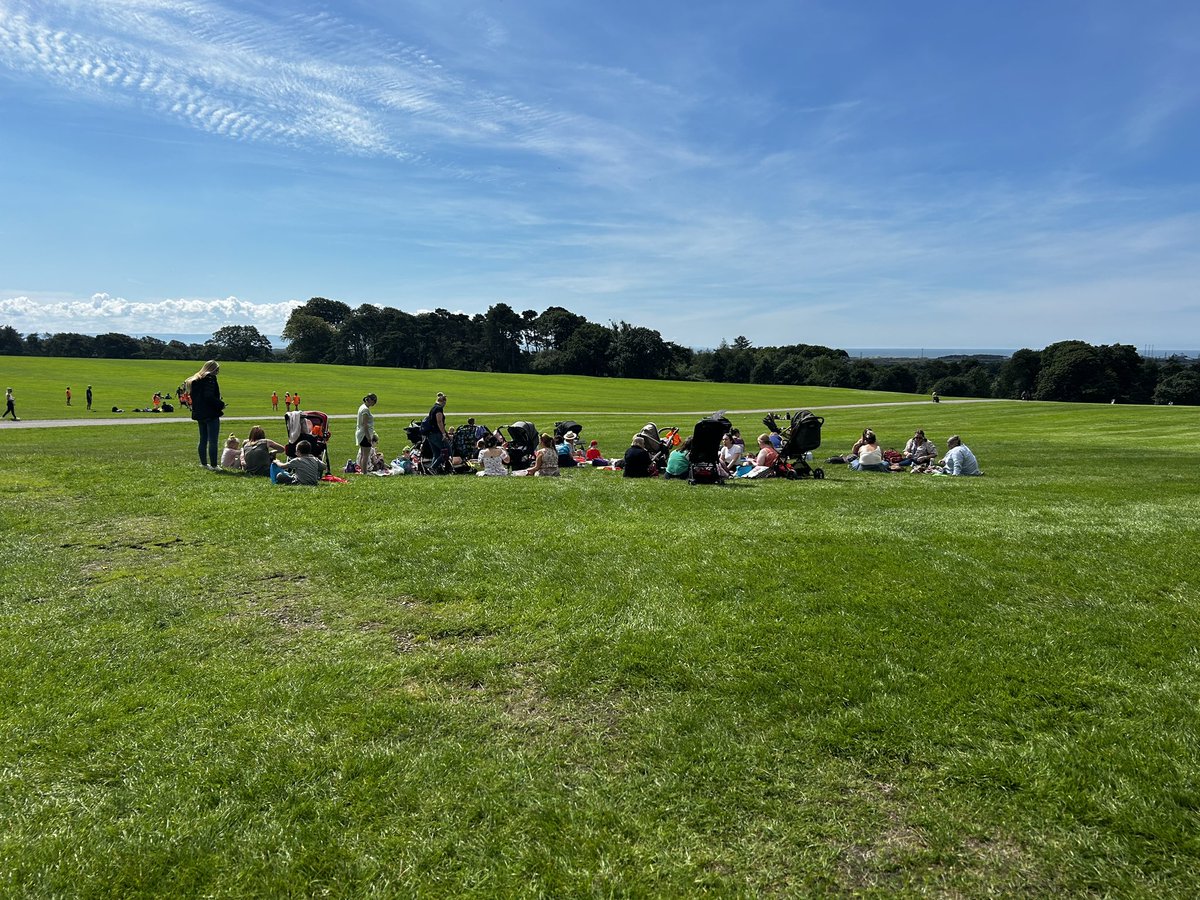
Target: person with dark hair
pixel 545 460
pixel 919 450
pixel 492 458
pixel 257 452
pixel 869 458
pixel 89 396
pixel 10 408
pixel 207 407
pixel 364 431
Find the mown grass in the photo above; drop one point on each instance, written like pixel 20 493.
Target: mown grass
pixel 873 684
pixel 40 385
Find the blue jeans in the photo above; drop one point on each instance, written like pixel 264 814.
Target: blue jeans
pixel 210 436
pixel 874 467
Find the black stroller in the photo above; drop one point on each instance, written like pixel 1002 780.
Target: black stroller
pixel 522 444
pixel 311 426
pixel 800 436
pixel 561 428
pixel 659 445
pixel 706 449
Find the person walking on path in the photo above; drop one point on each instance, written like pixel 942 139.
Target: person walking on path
pixel 207 407
pixel 274 401
pixel 68 395
pixel 89 397
pixel 365 431
pixel 10 408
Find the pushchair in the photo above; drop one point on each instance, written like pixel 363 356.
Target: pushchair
pixel 659 445
pixel 311 426
pixel 706 449
pixel 800 437
pixel 522 444
pixel 561 428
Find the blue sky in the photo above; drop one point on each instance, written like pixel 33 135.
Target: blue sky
pixel 851 174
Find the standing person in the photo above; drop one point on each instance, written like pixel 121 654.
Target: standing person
pixel 68 395
pixel 207 407
pixel 364 431
pixel 296 400
pixel 287 401
pixel 9 408
pixel 435 428
pixel 274 401
pixel 89 396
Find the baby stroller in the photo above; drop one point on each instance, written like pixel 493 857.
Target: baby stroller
pixel 561 428
pixel 659 445
pixel 800 436
pixel 311 426
pixel 423 461
pixel 706 449
pixel 522 444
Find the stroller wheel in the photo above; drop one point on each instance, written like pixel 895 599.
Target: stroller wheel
pixel 819 474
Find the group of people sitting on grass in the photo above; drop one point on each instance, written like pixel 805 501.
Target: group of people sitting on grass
pixel 919 455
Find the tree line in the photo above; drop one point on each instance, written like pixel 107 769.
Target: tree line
pixel 560 342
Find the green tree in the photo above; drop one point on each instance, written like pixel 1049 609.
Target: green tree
pixel 238 343
pixel 1180 388
pixel 1074 371
pixel 310 338
pixel 10 342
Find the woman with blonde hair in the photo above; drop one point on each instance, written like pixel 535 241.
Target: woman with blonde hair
pixel 207 407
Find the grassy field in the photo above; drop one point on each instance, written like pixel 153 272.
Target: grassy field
pixel 870 685
pixel 40 389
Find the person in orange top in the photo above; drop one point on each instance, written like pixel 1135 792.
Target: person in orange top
pixel 68 395
pixel 296 400
pixel 287 400
pixel 274 401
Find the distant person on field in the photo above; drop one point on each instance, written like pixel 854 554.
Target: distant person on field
pixel 959 460
pixel 274 401
pixel 304 468
pixel 10 408
pixel 89 397
pixel 207 407
pixel 257 452
pixel 296 401
pixel 68 395
pixel 287 401
pixel 232 457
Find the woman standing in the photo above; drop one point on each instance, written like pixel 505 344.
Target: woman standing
pixel 364 432
pixel 207 407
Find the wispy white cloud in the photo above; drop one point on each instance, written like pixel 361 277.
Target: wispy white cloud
pixel 102 312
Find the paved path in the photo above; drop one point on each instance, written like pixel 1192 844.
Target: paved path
pixel 174 418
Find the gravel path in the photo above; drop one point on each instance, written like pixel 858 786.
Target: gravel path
pixel 175 419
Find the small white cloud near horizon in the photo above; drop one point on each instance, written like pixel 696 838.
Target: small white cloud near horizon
pixel 104 313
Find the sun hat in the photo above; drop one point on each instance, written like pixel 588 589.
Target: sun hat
pixel 570 436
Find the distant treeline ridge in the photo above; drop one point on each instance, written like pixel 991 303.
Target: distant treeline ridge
pixel 559 342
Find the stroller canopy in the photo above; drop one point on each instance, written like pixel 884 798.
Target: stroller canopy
pixel 561 428
pixel 523 434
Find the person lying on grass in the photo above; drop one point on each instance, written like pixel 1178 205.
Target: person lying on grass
pixel 302 469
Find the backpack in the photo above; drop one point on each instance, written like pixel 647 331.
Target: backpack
pixel 426 425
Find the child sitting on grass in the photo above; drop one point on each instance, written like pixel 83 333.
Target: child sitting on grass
pixel 304 468
pixel 232 457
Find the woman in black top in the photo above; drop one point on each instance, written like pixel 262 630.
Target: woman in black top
pixel 207 407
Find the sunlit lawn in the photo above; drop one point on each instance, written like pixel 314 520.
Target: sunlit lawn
pixel 871 684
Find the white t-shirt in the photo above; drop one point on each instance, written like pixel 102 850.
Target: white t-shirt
pixel 870 457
